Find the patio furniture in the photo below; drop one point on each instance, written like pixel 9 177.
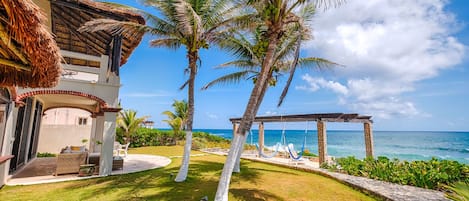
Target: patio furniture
pixel 70 162
pixel 123 148
pixel 117 161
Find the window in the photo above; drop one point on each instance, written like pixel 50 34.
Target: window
pixel 82 121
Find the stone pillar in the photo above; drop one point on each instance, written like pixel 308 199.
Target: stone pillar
pixel 261 138
pixel 109 132
pixel 235 128
pixel 322 141
pixel 368 139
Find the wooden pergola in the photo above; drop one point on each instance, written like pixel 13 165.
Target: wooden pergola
pixel 321 120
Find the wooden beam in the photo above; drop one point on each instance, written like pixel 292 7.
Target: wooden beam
pixel 87 8
pixel 14 65
pixel 98 48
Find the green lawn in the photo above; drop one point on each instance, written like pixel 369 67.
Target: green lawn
pixel 257 181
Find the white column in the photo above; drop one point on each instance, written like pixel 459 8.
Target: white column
pixel 99 129
pixel 109 133
pixel 93 134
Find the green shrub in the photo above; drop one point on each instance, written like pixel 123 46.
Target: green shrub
pixel 154 137
pixel 432 174
pixel 306 152
pixel 46 154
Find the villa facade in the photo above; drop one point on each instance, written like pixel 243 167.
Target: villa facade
pixel 89 83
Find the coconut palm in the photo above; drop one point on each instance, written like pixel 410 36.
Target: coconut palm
pixel 193 24
pixel 177 119
pixel 129 122
pixel 249 62
pixel 275 18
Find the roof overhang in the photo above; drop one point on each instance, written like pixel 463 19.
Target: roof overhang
pixel 29 56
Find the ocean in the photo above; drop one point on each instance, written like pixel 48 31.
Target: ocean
pixel 404 145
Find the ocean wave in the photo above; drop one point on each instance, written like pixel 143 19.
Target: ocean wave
pixel 460 150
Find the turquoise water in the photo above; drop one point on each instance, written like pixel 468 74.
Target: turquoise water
pixel 404 145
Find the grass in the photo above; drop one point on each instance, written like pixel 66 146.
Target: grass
pixel 257 181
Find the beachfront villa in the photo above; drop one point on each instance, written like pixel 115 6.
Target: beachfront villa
pixel 59 90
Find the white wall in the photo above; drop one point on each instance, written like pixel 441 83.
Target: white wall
pixel 65 116
pixel 52 138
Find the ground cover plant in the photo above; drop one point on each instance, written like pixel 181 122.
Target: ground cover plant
pixel 432 174
pixel 257 181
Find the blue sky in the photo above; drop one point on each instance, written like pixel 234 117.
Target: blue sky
pixel 405 63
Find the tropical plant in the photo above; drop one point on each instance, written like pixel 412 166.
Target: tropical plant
pixel 432 174
pixel 274 19
pixel 129 123
pixel 193 24
pixel 177 119
pixel 458 191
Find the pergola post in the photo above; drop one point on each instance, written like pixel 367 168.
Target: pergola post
pixel 261 138
pixel 322 141
pixel 368 139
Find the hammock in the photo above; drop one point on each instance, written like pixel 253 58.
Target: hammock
pixel 271 155
pixel 295 155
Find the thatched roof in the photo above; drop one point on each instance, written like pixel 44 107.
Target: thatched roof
pixel 29 56
pixel 69 15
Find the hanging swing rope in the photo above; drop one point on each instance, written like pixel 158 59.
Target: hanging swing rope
pixel 271 155
pixel 294 155
pixel 282 143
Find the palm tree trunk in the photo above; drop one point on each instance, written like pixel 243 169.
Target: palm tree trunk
pixel 184 169
pixel 248 117
pixel 237 167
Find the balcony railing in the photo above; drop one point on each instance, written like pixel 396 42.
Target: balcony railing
pixel 87 73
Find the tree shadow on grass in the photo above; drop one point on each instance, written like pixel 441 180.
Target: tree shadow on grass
pixel 158 184
pixel 254 195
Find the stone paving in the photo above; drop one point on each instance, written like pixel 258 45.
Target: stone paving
pixel 380 189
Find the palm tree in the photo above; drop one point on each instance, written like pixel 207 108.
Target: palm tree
pixel 275 18
pixel 129 122
pixel 177 119
pixel 193 24
pixel 249 62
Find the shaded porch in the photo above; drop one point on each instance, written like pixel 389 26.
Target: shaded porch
pixel 41 170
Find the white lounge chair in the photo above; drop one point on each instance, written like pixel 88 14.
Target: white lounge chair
pixel 123 149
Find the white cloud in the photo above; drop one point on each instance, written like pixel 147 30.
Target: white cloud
pixel 211 116
pixel 386 47
pixel 315 84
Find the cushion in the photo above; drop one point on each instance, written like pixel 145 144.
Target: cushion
pixel 75 148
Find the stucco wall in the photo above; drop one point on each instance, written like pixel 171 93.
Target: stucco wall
pixel 52 138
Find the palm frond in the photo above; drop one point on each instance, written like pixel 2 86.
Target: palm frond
pixel 292 71
pixel 115 27
pixel 319 63
pixel 242 64
pixel 171 43
pixel 230 78
pixel 184 85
